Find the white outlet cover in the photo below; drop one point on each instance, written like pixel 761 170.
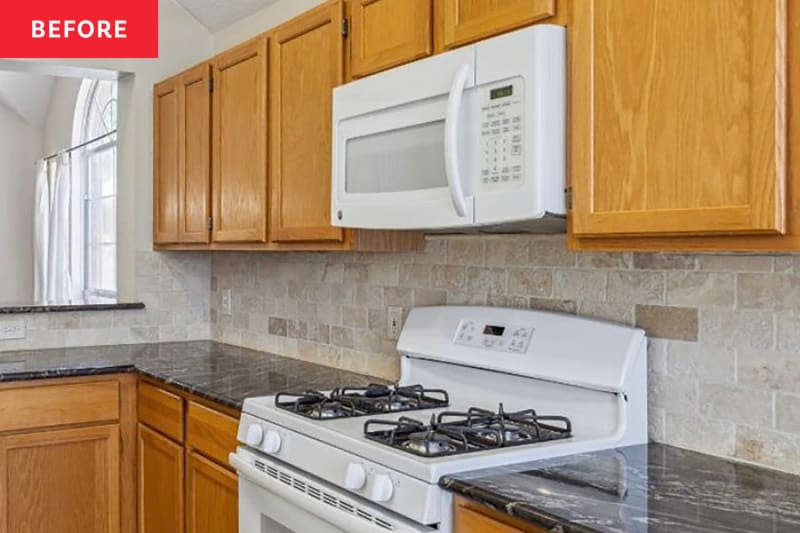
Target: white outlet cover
pixel 12 330
pixel 394 322
pixel 226 302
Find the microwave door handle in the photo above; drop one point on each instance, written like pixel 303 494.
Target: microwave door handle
pixel 451 158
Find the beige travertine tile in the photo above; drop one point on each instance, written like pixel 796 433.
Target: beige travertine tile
pixel 579 285
pixel 737 329
pixel 701 289
pixel 668 322
pixel 701 433
pixel 766 369
pixel 635 286
pixel 550 304
pixel 341 336
pixel 487 279
pixel 613 312
pixel 737 263
pixel 455 297
pixel 605 260
pixel 530 282
pixel 383 274
pixel 415 275
pixel 659 261
pixel 450 277
pixel 369 296
pixel 738 404
pixel 435 252
pixel 507 252
pixel 675 394
pixel 694 360
pixel 423 297
pixel 551 251
pixel 398 297
pixel 507 300
pixel 787 413
pixel 466 251
pixel 354 316
pixel 656 355
pixel 765 291
pixel 772 448
pixel 355 273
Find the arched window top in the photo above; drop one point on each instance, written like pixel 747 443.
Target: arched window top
pixel 95 110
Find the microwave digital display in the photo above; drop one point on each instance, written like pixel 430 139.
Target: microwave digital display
pixel 496 331
pixel 501 92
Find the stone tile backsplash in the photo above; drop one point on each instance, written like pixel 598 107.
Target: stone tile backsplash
pixel 724 353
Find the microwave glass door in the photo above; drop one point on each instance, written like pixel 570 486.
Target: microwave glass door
pixel 404 159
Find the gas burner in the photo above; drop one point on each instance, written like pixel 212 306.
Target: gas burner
pixel 454 433
pixel 348 402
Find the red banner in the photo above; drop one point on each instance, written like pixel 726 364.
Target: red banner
pixel 79 28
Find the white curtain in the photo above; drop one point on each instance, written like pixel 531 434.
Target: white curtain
pixel 52 256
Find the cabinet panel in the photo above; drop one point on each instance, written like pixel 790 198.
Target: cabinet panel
pixel 685 132
pixel 211 432
pixel 212 497
pixel 239 143
pixel 61 480
pixel 195 155
pixel 471 517
pixel 161 410
pixel 166 192
pixel 160 483
pixel 466 21
pixel 306 63
pixel 387 33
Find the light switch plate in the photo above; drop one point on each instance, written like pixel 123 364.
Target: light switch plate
pixel 12 330
pixel 394 322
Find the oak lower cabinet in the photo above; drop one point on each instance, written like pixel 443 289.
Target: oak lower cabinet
pixel 684 133
pixel 212 496
pixel 388 33
pixel 470 517
pixel 185 483
pixel 66 451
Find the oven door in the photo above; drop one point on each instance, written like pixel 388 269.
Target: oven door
pixel 403 146
pixel 275 498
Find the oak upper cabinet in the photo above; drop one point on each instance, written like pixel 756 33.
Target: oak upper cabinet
pixel 61 480
pixel 682 133
pixel 306 63
pixel 387 33
pixel 467 21
pixel 212 497
pixel 166 121
pixel 182 162
pixel 160 483
pixel 239 143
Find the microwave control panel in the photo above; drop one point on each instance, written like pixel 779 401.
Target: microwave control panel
pixel 502 133
pixel 494 336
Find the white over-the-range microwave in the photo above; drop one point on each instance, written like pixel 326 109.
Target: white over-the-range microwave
pixel 472 139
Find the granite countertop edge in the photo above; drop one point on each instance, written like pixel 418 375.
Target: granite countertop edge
pixel 25 309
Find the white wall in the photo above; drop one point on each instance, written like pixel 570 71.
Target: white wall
pixel 57 130
pixel 20 147
pixel 259 22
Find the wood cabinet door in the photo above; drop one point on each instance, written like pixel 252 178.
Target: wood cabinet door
pixel 306 63
pixel 239 143
pixel 684 132
pixel 194 155
pixel 466 21
pixel 166 175
pixel 212 497
pixel 160 483
pixel 65 480
pixel 387 33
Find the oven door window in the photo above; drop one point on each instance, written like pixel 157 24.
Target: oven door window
pixel 405 159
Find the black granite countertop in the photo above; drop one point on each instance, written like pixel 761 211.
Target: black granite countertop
pixel 100 304
pixel 220 372
pixel 650 488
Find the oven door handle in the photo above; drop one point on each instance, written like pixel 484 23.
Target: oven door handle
pixel 326 512
pixel 451 130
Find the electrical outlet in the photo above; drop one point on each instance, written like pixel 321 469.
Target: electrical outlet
pixel 226 302
pixel 394 323
pixel 12 330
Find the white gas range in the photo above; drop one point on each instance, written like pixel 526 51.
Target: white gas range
pixel 339 462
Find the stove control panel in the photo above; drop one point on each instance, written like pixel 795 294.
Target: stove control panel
pixel 493 336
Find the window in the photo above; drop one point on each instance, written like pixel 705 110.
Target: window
pixel 94 128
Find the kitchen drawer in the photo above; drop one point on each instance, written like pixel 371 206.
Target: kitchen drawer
pixel 58 405
pixel 161 410
pixel 210 432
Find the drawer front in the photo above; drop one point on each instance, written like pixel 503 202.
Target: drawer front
pixel 58 405
pixel 161 410
pixel 211 433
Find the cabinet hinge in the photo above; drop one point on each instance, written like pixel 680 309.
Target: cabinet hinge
pixel 568 198
pixel 210 223
pixel 345 27
pixel 211 85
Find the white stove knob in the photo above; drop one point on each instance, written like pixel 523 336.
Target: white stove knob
pixel 255 433
pixel 272 442
pixel 382 488
pixel 355 476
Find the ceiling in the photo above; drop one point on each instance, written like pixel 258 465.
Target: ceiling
pixel 217 14
pixel 28 95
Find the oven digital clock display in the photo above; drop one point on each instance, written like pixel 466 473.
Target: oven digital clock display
pixel 496 331
pixel 501 92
